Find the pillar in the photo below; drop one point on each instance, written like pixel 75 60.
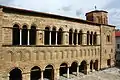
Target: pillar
pixel 98 39
pixel 68 72
pixel 28 41
pixel 56 74
pixel 88 69
pixel 20 36
pixel 42 77
pixel 26 76
pixel 77 70
pixel 50 38
pixel 84 39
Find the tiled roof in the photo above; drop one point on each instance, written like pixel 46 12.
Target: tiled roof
pixel 117 33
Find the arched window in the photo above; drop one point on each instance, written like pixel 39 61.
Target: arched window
pixel 81 36
pixel 108 38
pixel 46 36
pixel 24 35
pixel 88 38
pixel 33 35
pixel 60 36
pixel 70 36
pixel 16 35
pixel 95 39
pixel 75 37
pixel 53 36
pixel 91 38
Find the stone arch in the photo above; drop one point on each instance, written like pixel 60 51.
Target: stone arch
pixel 32 35
pixel 73 68
pixel 46 35
pixel 24 34
pixel 83 67
pixel 16 34
pixel 75 37
pixel 35 73
pixel 49 72
pixel 109 62
pixel 96 64
pixel 91 65
pixel 10 56
pixel 53 35
pixel 70 36
pixel 63 68
pixel 15 74
pixel 60 36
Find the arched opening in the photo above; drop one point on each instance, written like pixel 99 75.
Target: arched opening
pixel 63 69
pixel 53 36
pixel 16 35
pixel 91 65
pixel 33 35
pixel 49 72
pixel 91 38
pixel 75 37
pixel 81 36
pixel 88 38
pixel 73 68
pixel 83 67
pixel 24 35
pixel 60 37
pixel 35 73
pixel 109 62
pixel 70 36
pixel 96 65
pixel 15 74
pixel 46 36
pixel 95 39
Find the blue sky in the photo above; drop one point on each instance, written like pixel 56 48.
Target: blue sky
pixel 71 8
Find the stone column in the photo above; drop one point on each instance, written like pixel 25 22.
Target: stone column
pixel 28 41
pixel 98 39
pixel 84 39
pixel 77 70
pixel 42 77
pixel 25 76
pixel 56 39
pixel 68 72
pixel 20 36
pixel 56 74
pixel 88 69
pixel 50 38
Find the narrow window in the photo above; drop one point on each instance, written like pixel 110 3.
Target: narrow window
pixel 16 35
pixel 33 35
pixel 75 37
pixel 24 35
pixel 53 36
pixel 108 38
pixel 91 38
pixel 95 39
pixel 88 37
pixel 81 36
pixel 70 36
pixel 59 36
pixel 46 36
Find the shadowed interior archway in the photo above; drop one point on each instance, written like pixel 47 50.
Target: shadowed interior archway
pixel 63 69
pixel 33 35
pixel 15 74
pixel 49 72
pixel 73 68
pixel 24 35
pixel 91 65
pixel 83 67
pixel 35 73
pixel 96 65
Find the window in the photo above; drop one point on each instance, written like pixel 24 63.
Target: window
pixel 91 38
pixel 33 35
pixel 81 36
pixel 53 36
pixel 24 35
pixel 108 38
pixel 70 36
pixel 16 35
pixel 46 36
pixel 95 38
pixel 60 36
pixel 118 46
pixel 75 37
pixel 88 37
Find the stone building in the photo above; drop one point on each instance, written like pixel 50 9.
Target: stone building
pixel 35 45
pixel 117 35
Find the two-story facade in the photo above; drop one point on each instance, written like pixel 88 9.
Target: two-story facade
pixel 35 45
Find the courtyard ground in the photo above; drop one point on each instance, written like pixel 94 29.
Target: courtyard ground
pixel 107 74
